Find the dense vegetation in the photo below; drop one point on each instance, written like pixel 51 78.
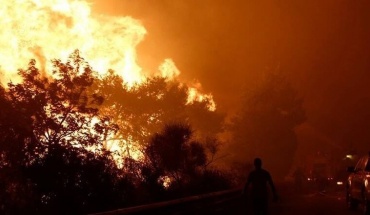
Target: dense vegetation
pixel 58 134
pixel 56 131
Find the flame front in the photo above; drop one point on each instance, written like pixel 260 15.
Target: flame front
pixel 52 29
pixel 48 29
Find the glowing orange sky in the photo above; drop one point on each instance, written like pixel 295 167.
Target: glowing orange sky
pixel 224 47
pixel 323 47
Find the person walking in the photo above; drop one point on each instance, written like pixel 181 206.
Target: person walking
pixel 259 179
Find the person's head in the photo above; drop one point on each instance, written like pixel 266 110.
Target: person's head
pixel 257 163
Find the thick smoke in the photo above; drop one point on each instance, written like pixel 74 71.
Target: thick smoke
pixel 322 46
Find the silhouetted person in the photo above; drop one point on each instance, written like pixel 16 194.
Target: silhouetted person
pixel 259 178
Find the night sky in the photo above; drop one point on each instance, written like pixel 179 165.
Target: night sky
pixel 322 46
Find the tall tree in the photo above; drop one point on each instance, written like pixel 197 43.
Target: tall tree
pixel 179 161
pixel 52 124
pixel 265 125
pixel 173 152
pixel 61 110
pixel 15 136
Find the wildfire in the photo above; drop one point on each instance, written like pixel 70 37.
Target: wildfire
pixel 48 29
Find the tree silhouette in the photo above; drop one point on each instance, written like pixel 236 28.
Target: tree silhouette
pixel 15 136
pixel 61 110
pixel 56 130
pixel 141 110
pixel 52 125
pixel 174 154
pixel 265 125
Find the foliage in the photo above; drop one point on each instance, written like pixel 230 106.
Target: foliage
pixel 15 131
pixel 174 154
pixel 48 125
pixel 75 181
pixel 53 141
pixel 265 125
pixel 142 109
pixel 61 111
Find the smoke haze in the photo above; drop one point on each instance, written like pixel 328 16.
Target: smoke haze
pixel 322 46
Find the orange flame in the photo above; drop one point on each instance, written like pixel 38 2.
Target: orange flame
pixel 49 29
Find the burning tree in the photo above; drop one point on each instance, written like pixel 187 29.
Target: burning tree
pixel 56 131
pixel 53 126
pixel 142 109
pixel 61 110
pixel 57 122
pixel 109 44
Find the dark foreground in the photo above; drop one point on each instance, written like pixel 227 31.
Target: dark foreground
pixel 292 203
pixel 309 202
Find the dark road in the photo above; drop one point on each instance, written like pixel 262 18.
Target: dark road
pixel 310 203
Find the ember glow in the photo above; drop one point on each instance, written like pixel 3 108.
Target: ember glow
pixel 49 29
pixel 52 29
